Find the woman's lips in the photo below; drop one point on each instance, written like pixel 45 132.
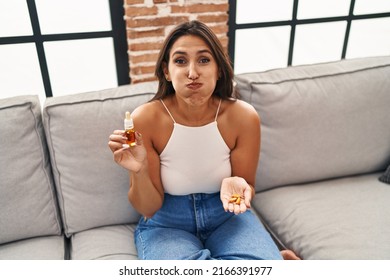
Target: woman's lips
pixel 194 86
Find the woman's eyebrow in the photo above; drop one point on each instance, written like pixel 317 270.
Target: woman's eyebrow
pixel 204 51
pixel 185 53
pixel 179 53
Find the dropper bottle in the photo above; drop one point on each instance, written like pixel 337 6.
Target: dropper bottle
pixel 129 130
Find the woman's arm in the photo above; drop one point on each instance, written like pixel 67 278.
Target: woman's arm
pixel 244 157
pixel 142 161
pixel 146 192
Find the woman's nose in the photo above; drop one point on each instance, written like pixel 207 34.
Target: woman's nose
pixel 193 72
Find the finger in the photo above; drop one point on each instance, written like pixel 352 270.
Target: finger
pixel 225 204
pixel 236 209
pixel 248 197
pixel 117 137
pixel 114 146
pixel 240 208
pixel 243 207
pixel 118 155
pixel 119 132
pixel 231 207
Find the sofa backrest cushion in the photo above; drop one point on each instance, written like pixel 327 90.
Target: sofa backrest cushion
pixel 92 188
pixel 321 121
pixel 27 200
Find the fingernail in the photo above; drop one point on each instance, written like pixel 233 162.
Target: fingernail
pixel 125 146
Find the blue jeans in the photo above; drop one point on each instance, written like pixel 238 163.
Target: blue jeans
pixel 196 227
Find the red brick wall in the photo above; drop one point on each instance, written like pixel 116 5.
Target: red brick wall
pixel 149 21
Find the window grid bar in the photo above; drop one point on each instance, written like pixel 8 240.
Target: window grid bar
pixel 232 30
pixel 120 42
pixel 292 34
pixel 348 29
pixel 56 37
pixel 32 9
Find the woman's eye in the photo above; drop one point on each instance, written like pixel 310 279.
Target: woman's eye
pixel 204 60
pixel 180 61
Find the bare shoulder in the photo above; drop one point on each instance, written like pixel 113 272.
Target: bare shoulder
pixel 242 113
pixel 242 105
pixel 237 120
pixel 154 123
pixel 146 118
pixel 147 108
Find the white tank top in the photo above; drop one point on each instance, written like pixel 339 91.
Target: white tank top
pixel 195 159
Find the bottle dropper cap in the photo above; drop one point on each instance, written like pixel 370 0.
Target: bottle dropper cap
pixel 128 122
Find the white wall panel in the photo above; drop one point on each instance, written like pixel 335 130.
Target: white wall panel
pixel 81 65
pixel 318 42
pixel 60 16
pixel 259 49
pixel 19 71
pixel 263 10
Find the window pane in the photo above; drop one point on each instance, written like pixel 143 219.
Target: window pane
pixel 249 11
pixel 20 72
pixel 369 37
pixel 72 16
pixel 371 6
pixel 322 8
pixel 261 49
pixel 81 65
pixel 318 42
pixel 14 18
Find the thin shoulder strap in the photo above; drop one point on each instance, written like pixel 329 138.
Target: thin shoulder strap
pixel 219 106
pixel 166 108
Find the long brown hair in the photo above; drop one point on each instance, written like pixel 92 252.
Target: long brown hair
pixel 224 87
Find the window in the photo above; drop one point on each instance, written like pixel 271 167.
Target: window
pixel 55 47
pixel 272 34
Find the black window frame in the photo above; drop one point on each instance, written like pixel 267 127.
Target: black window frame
pixel 118 33
pixel 233 26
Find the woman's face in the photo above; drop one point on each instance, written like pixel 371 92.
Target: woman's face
pixel 192 69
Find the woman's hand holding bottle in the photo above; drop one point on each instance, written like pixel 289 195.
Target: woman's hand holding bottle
pixel 133 158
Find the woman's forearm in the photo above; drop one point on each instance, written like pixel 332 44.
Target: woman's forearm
pixel 143 195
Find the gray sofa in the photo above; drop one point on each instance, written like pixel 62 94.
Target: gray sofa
pixel 325 144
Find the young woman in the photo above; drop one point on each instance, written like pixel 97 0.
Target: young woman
pixel 197 146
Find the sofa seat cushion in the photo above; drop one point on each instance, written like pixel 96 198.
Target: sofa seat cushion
pixel 104 243
pixel 321 121
pixel 92 188
pixel 38 248
pixel 346 218
pixel 28 207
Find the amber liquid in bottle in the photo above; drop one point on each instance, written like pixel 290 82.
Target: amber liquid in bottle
pixel 129 130
pixel 130 134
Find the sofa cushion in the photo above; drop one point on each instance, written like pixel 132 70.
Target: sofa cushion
pixel 345 218
pixel 385 177
pixel 92 188
pixel 27 199
pixel 38 248
pixel 321 121
pixel 105 243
